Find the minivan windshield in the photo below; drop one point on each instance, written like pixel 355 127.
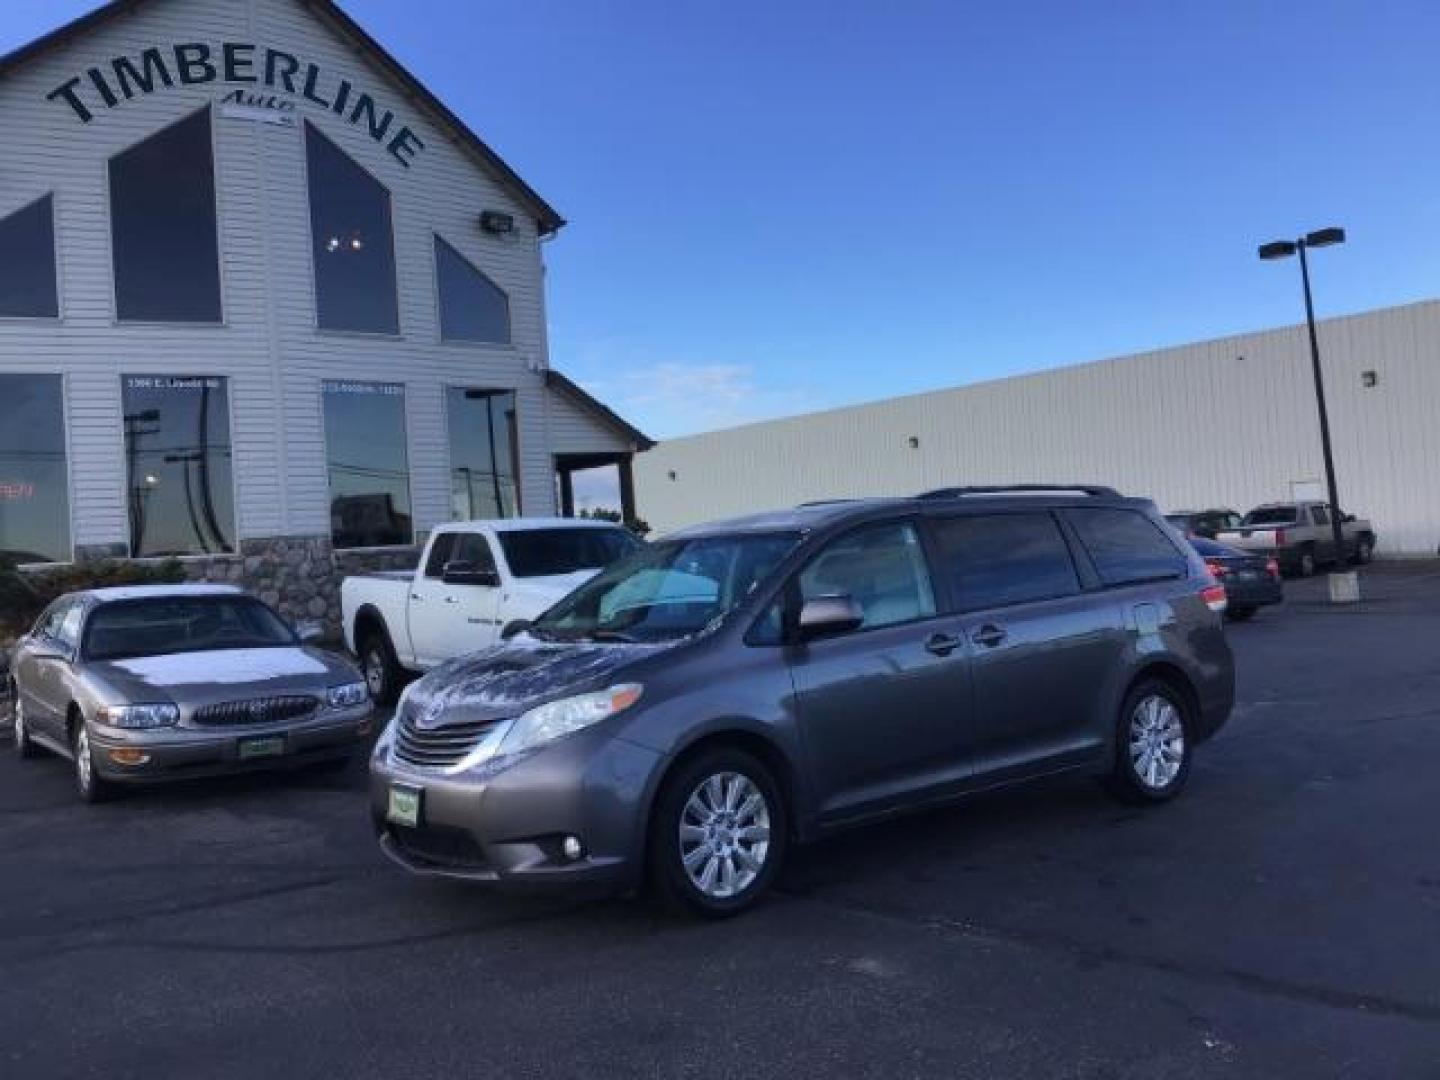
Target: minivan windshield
pixel 1271 515
pixel 667 591
pixel 553 552
pixel 125 629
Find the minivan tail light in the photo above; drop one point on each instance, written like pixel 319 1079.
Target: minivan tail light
pixel 1215 598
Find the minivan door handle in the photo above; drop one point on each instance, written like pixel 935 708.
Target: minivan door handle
pixel 989 636
pixel 942 644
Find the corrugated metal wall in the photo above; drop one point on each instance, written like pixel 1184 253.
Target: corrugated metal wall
pixel 1230 422
pixel 269 346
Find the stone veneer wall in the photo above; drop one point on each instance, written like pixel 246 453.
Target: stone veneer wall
pixel 299 576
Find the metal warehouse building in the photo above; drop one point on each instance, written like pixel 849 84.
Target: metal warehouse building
pixel 1230 422
pixel 265 304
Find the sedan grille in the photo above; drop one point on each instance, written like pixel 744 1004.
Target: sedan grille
pixel 439 748
pixel 267 710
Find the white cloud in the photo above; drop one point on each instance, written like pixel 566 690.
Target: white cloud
pixel 670 398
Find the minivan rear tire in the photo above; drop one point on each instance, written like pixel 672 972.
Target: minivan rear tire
pixel 671 882
pixel 1146 717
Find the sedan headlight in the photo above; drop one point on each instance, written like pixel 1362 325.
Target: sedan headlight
pixel 546 723
pixel 139 716
pixel 348 696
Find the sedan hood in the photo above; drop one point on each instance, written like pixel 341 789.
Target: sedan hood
pixel 506 681
pixel 223 674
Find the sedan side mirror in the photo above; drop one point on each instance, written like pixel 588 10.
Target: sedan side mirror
pixel 464 573
pixel 48 650
pixel 826 616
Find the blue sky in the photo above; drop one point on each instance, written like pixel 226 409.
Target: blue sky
pixel 779 207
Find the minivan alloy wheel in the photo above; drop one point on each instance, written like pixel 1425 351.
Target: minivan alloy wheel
pixel 1157 742
pixel 724 834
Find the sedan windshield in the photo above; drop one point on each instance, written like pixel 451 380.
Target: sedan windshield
pixel 667 591
pixel 553 552
pixel 1271 515
pixel 130 628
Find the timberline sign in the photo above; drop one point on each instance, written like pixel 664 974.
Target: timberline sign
pixel 243 63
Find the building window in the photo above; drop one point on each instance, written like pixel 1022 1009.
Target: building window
pixel 354 246
pixel 162 226
pixel 369 465
pixel 34 483
pixel 472 307
pixel 177 456
pixel 27 262
pixel 484 447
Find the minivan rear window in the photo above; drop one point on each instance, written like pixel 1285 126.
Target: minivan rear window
pixel 1126 547
pixel 994 560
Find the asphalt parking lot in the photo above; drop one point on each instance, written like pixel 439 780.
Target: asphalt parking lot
pixel 1281 919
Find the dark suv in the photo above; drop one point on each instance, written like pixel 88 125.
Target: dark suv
pixel 738 687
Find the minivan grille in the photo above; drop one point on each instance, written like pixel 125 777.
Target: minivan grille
pixel 438 748
pixel 267 710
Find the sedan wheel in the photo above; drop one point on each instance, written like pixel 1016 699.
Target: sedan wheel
pixel 1153 744
pixel 719 834
pixel 23 746
pixel 92 787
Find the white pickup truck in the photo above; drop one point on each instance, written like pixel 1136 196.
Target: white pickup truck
pixel 474 579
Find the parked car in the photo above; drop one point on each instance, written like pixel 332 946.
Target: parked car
pixel 1206 523
pixel 474 578
pixel 1251 581
pixel 1299 536
pixel 165 682
pixel 737 687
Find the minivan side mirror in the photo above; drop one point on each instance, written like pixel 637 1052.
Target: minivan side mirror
pixel 825 616
pixel 514 627
pixel 464 573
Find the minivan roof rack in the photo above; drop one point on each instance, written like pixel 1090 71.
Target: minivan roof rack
pixel 1095 491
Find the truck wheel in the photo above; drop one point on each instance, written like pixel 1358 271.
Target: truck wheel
pixel 1306 565
pixel 383 674
pixel 1364 550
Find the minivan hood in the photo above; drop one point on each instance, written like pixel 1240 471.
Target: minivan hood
pixel 506 681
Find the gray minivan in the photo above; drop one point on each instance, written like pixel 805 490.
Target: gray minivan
pixel 734 688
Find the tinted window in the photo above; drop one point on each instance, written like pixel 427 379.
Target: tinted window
pixel 882 568
pixel 1126 547
pixel 1320 515
pixel 354 247
pixel 177 452
pixel 162 222
pixel 668 590
pixel 34 481
pixel 131 628
pixel 1005 559
pixel 474 550
pixel 1271 515
pixel 68 633
pixel 484 443
pixel 440 554
pixel 472 307
pixel 551 552
pixel 50 623
pixel 27 262
pixel 368 464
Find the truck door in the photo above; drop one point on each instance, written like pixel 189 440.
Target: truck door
pixel 453 617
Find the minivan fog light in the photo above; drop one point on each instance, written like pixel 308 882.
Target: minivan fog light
pixel 572 848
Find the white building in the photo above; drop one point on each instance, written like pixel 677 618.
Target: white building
pixel 1227 423
pixel 265 303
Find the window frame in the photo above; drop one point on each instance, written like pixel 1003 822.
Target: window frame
pixel 109 207
pixel 472 343
pixel 1085 559
pixel 1086 579
pixel 398 334
pixel 787 593
pixel 53 195
pixel 239 521
pixel 414 540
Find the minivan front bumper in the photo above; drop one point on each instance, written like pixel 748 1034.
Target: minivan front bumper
pixel 506 822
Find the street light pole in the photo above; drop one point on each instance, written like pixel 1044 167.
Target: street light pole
pixel 1282 249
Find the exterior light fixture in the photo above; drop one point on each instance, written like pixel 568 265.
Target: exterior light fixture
pixel 497 223
pixel 1369 379
pixel 914 442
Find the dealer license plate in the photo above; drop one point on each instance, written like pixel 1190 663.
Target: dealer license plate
pixel 263 747
pixel 404 808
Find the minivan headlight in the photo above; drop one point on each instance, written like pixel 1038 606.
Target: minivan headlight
pixel 546 723
pixel 348 696
pixel 139 716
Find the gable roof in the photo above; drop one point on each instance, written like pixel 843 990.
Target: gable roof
pixel 581 398
pixel 547 217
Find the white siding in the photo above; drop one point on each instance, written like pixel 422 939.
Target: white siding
pixel 1230 422
pixel 269 346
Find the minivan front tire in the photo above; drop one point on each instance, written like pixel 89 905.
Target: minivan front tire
pixel 719 833
pixel 1153 744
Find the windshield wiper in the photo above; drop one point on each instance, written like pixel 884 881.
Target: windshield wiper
pixel 612 635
